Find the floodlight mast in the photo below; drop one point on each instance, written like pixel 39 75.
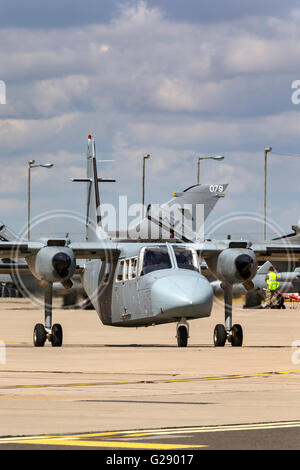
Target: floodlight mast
pixel 215 157
pixel 32 164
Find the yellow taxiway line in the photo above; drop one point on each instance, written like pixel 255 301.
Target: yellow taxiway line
pixel 145 382
pixel 110 444
pixel 81 440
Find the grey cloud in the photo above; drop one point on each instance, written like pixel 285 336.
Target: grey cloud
pixel 143 83
pixel 143 62
pixel 41 14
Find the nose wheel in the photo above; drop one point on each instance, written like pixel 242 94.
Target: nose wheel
pixel 182 334
pixel 42 333
pixel 232 334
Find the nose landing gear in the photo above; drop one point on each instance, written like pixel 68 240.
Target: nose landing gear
pixel 53 333
pixel 182 333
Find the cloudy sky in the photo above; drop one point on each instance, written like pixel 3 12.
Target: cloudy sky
pixel 172 78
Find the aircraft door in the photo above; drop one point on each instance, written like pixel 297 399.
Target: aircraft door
pixel 126 301
pixel 131 298
pixel 118 292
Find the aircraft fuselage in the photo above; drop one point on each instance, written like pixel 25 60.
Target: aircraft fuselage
pixel 154 285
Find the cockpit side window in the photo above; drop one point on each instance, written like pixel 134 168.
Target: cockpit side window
pixel 154 259
pixel 186 258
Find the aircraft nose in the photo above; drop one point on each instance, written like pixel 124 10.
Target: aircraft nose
pixel 182 295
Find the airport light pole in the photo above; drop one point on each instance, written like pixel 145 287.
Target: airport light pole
pixel 31 164
pixel 145 157
pixel 215 157
pixel 267 150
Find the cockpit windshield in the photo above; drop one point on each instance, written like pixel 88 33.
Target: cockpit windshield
pixel 185 258
pixel 155 258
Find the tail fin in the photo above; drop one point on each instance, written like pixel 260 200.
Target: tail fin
pixel 93 213
pixel 94 230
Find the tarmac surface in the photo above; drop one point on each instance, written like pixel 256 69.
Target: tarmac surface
pixel 114 388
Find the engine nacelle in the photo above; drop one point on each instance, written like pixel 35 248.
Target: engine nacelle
pixel 53 264
pixel 234 265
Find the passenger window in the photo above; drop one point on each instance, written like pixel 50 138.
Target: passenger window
pixel 154 259
pixel 120 271
pixel 126 270
pixel 185 258
pixel 133 268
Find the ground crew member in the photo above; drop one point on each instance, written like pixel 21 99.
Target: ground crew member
pixel 273 285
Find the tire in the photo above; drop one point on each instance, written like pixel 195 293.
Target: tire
pixel 236 335
pixel 39 335
pixel 182 336
pixel 220 335
pixel 56 335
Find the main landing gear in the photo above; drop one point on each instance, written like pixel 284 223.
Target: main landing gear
pixel 232 334
pixel 43 332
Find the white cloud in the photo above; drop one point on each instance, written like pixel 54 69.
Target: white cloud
pixel 17 133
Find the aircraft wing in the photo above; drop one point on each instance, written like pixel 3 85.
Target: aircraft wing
pixel 15 249
pixel 264 251
pixel 11 268
pixel 21 269
pixel 83 250
pixel 276 251
pixel 269 250
pixel 95 250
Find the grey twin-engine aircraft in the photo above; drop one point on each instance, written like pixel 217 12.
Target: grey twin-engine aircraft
pixel 133 284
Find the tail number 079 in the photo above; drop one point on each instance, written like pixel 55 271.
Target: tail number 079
pixel 216 188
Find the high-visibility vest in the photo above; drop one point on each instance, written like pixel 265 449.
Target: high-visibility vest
pixel 272 282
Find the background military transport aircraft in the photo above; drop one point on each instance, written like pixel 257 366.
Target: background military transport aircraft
pixel 134 284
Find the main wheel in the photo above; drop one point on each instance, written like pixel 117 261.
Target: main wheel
pixel 182 336
pixel 56 335
pixel 39 335
pixel 220 335
pixel 236 335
